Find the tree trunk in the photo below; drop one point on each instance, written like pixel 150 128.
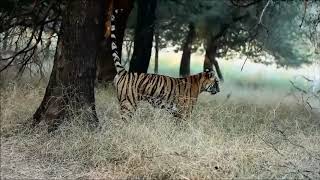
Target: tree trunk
pixel 210 58
pixel 105 67
pixel 143 36
pixel 187 48
pixel 213 43
pixel 71 86
pixel 156 55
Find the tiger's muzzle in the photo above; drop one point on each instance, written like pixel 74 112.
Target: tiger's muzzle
pixel 213 88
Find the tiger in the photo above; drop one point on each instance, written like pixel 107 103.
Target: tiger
pixel 177 95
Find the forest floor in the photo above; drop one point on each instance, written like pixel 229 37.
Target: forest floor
pixel 253 134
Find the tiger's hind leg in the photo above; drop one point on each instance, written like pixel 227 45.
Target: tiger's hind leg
pixel 127 109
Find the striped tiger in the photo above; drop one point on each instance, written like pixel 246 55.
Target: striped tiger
pixel 177 95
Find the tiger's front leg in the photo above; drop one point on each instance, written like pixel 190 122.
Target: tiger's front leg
pixel 184 113
pixel 185 107
pixel 180 112
pixel 127 109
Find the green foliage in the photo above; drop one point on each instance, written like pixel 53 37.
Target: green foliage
pixel 255 31
pixel 283 38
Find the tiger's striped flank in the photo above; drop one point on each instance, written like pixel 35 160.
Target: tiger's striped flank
pixel 177 95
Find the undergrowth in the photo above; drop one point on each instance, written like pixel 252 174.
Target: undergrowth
pixel 262 136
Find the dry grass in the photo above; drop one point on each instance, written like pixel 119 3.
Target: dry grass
pixel 265 136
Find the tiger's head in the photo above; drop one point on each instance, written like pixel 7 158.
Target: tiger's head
pixel 209 82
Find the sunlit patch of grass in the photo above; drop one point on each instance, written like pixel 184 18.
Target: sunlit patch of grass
pixel 262 136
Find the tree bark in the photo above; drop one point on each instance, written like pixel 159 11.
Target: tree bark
pixel 187 48
pixel 212 46
pixel 156 55
pixel 143 36
pixel 210 58
pixel 105 67
pixel 70 90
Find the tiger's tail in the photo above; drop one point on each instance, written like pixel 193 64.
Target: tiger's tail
pixel 114 48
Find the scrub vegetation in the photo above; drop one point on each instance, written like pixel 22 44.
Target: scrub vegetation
pixel 260 134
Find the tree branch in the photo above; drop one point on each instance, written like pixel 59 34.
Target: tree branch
pixel 244 5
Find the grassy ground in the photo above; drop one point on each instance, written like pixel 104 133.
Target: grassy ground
pixel 253 134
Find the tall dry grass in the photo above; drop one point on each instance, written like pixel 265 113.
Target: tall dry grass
pixel 253 134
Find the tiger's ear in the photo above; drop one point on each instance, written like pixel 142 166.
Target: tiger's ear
pixel 209 73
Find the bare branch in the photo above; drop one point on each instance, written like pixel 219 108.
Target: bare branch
pixel 298 88
pixel 239 4
pixel 263 11
pixel 295 144
pixel 244 63
pixel 43 16
pixel 304 13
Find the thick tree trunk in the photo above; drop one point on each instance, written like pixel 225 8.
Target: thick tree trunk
pixel 71 86
pixel 213 45
pixel 156 55
pixel 210 58
pixel 105 67
pixel 143 36
pixel 187 48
